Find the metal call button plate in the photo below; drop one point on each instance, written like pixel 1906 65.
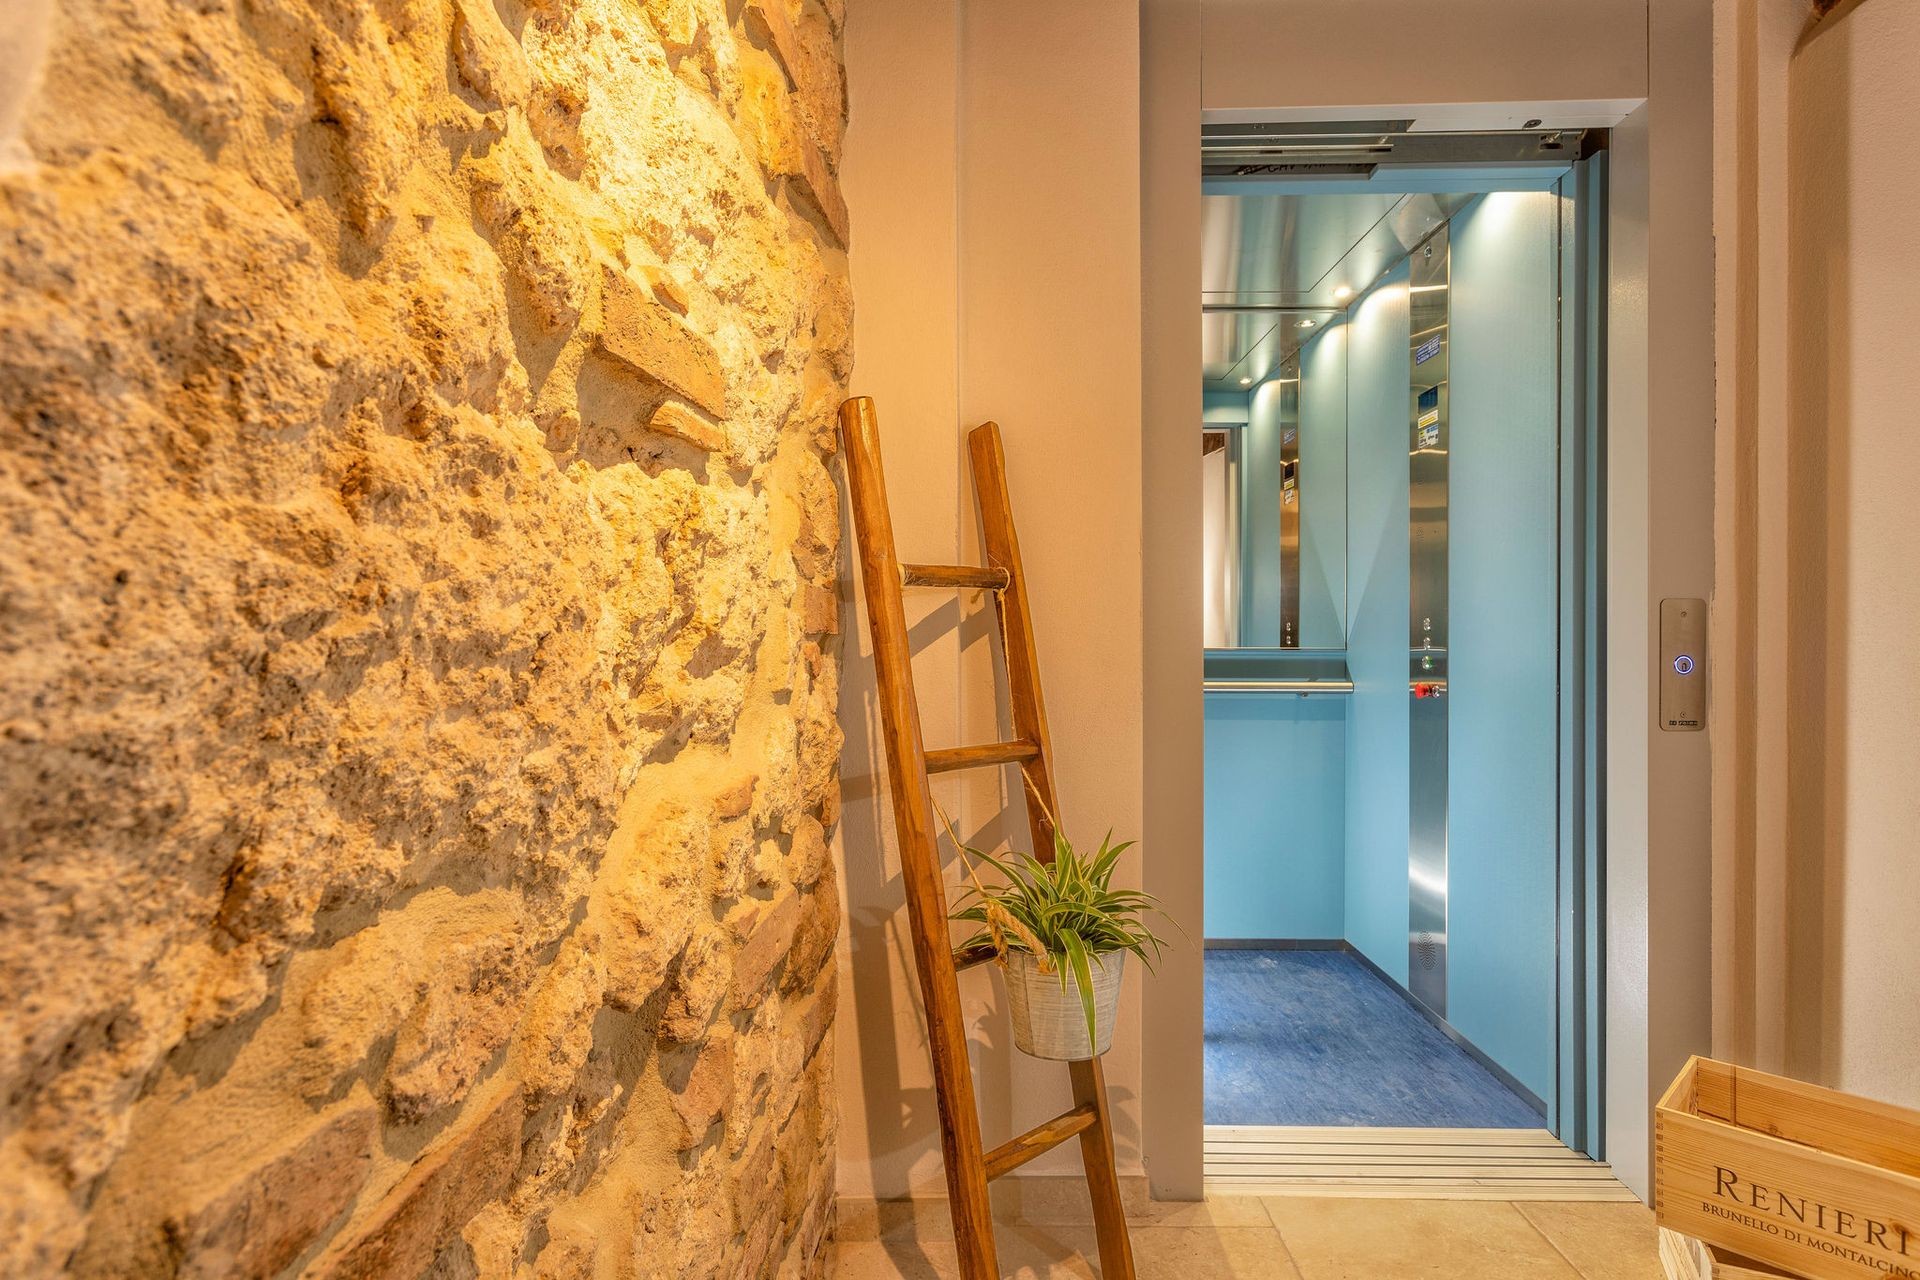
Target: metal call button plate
pixel 1683 665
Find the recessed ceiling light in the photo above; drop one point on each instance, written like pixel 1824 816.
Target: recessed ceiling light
pixel 1342 293
pixel 1306 324
pixel 1246 382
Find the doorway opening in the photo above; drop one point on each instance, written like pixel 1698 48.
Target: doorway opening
pixel 1402 434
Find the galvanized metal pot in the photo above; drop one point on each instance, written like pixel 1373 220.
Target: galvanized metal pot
pixel 1048 1019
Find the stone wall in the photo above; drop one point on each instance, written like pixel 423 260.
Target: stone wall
pixel 417 687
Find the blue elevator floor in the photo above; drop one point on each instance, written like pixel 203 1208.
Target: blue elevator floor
pixel 1316 1038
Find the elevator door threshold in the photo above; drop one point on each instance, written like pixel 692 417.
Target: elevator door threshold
pixel 1403 1164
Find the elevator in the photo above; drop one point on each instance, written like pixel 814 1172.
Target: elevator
pixel 1403 436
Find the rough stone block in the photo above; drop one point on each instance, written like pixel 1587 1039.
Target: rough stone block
pixel 666 290
pixel 768 939
pixel 816 186
pixel 758 1250
pixel 677 22
pixel 768 21
pixel 816 545
pixel 822 81
pixel 814 937
pixel 735 799
pixel 810 853
pixel 406 1231
pixel 753 1173
pixel 820 610
pixel 261 1223
pixel 675 419
pixel 819 1017
pixel 460 1020
pixel 488 60
pixel 697 990
pixel 639 331
pixel 702 1096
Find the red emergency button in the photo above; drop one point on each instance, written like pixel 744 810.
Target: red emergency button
pixel 1422 689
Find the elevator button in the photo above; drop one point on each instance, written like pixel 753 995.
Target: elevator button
pixel 1683 665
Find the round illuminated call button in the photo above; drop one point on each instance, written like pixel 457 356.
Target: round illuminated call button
pixel 1683 665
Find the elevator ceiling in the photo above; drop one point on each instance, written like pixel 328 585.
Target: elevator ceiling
pixel 1301 217
pixel 1275 269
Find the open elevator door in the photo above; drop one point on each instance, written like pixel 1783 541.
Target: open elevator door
pixel 1503 676
pixel 1472 738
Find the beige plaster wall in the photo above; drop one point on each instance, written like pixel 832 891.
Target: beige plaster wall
pixel 1262 54
pixel 1820 975
pixel 996 183
pixel 417 673
pixel 1853 303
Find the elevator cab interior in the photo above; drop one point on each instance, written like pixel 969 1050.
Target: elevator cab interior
pixel 1402 430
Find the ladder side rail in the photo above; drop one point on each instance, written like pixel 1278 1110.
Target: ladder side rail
pixel 1002 545
pixel 965 1157
pixel 1029 713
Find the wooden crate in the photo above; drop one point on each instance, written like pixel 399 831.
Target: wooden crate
pixel 1818 1183
pixel 1688 1259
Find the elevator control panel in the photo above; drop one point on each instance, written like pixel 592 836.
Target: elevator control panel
pixel 1683 665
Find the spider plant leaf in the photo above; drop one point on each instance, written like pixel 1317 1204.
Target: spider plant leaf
pixel 1076 956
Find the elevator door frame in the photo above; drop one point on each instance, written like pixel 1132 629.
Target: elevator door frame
pixel 1573 1102
pixel 1651 817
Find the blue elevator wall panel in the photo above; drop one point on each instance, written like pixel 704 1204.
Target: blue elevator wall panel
pixel 1376 765
pixel 1223 408
pixel 1503 699
pixel 1275 820
pixel 1323 490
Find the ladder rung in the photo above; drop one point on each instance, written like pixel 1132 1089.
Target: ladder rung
pixel 1008 1156
pixel 953 575
pixel 947 759
pixel 967 957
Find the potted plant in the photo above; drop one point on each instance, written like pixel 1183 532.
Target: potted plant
pixel 1061 932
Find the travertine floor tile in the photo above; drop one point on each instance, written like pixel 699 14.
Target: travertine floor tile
pixel 1028 1252
pixel 1602 1241
pixel 1211 1253
pixel 1331 1239
pixel 1065 1201
pixel 1040 1202
pixel 1031 1252
pixel 1044 1233
pixel 858 1219
pixel 893 1260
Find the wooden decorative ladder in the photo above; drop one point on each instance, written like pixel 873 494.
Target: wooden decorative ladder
pixel 969 1167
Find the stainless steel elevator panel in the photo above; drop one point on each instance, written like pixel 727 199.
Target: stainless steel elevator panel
pixel 1427 358
pixel 1290 505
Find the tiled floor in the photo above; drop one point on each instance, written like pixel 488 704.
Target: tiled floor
pixel 1316 1038
pixel 1245 1238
